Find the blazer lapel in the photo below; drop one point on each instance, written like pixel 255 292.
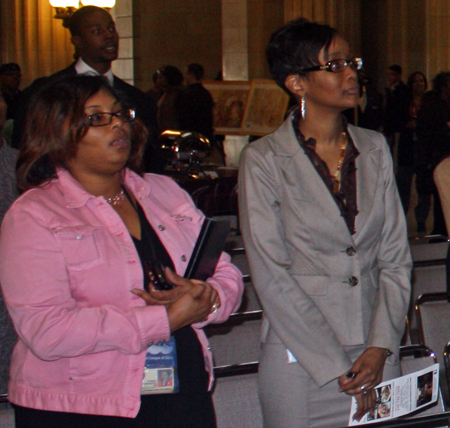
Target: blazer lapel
pixel 368 165
pixel 301 175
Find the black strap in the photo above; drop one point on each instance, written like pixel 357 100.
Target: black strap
pixel 149 247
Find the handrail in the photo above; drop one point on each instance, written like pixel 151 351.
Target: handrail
pixel 246 316
pixel 236 369
pixel 425 263
pixel 417 351
pixel 438 236
pixel 235 251
pixel 238 318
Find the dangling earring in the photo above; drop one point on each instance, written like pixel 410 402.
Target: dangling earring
pixel 303 107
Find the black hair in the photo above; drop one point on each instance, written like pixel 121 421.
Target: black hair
pixel 441 81
pixel 78 17
pixel 11 66
pixel 197 70
pixel 295 46
pixel 396 68
pixel 173 75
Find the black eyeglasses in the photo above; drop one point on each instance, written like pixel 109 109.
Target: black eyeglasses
pixel 337 65
pixel 103 118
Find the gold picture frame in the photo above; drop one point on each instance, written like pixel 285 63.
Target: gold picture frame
pixel 230 102
pixel 266 108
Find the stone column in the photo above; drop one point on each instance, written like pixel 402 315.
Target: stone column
pixel 234 40
pixel 123 67
pixel 234 62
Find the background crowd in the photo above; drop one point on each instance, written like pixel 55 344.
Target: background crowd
pixel 414 120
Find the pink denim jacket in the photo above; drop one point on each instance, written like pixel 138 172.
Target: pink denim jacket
pixel 67 265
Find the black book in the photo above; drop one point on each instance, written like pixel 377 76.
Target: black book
pixel 208 248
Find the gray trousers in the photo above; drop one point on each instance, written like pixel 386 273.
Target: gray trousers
pixel 291 399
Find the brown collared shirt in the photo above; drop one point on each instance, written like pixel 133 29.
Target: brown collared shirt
pixel 345 198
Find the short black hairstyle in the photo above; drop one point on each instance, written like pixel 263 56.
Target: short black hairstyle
pixel 173 75
pixel 295 46
pixel 441 81
pixel 76 20
pixel 197 70
pixel 11 66
pixel 396 68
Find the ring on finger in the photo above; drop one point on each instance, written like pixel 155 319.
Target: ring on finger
pixel 153 290
pixel 215 308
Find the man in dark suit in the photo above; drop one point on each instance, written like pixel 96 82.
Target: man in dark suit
pixel 195 104
pixel 96 41
pixel 395 104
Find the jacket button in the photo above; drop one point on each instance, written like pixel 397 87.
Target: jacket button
pixel 183 258
pixel 353 281
pixel 350 251
pixel 161 227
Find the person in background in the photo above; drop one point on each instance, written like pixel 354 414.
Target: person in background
pixel 96 41
pixel 172 83
pixel 8 158
pixel 396 101
pixel 433 135
pixel 368 113
pixel 157 90
pixel 10 78
pixel 326 239
pixel 407 155
pixel 441 176
pixel 8 193
pixel 195 104
pixel 78 256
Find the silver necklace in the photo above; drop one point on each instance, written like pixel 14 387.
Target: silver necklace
pixel 117 199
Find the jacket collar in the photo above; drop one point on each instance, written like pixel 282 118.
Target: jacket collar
pixel 368 174
pixel 297 164
pixel 76 195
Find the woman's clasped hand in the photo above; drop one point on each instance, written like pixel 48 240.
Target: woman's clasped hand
pixel 368 373
pixel 189 302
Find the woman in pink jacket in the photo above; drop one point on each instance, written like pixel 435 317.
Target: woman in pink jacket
pixel 92 326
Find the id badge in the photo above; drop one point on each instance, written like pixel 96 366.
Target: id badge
pixel 160 371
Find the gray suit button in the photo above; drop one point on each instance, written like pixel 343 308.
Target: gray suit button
pixel 350 251
pixel 353 281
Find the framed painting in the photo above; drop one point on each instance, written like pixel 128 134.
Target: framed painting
pixel 266 108
pixel 230 103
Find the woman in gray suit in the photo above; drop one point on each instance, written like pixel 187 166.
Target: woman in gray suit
pixel 326 239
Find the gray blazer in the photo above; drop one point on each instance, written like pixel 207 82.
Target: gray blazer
pixel 322 288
